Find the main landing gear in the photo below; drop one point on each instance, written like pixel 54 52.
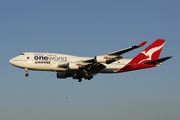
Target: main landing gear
pixel 80 79
pixel 27 74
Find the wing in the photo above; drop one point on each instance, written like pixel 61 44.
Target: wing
pixel 90 70
pixel 120 52
pixel 79 70
pixel 114 56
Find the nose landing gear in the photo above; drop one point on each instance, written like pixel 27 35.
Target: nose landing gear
pixel 27 74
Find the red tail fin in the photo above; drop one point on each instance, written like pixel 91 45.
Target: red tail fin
pixel 152 52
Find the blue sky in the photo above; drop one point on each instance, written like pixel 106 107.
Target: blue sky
pixel 89 28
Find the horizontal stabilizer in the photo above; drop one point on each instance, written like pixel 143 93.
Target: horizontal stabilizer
pixel 158 61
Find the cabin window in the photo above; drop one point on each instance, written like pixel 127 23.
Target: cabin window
pixel 27 57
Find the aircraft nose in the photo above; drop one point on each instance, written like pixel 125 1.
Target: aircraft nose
pixel 11 61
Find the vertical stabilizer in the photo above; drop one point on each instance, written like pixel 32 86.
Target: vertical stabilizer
pixel 152 52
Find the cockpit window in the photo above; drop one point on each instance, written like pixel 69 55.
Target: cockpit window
pixel 22 54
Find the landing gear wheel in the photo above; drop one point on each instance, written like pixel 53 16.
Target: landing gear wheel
pixel 27 74
pixel 90 77
pixel 80 79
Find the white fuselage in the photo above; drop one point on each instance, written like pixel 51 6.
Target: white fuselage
pixel 51 61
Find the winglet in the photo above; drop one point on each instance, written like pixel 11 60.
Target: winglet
pixel 142 44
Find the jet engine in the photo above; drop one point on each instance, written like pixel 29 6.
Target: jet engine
pixel 76 76
pixel 104 59
pixel 63 75
pixel 74 66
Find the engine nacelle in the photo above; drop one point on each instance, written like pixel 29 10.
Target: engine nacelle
pixel 74 66
pixel 104 59
pixel 75 76
pixel 63 75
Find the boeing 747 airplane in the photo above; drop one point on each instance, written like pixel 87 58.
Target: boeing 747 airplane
pixel 86 67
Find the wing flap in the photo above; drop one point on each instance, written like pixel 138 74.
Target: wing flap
pixel 96 67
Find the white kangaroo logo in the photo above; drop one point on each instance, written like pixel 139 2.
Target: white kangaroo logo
pixel 150 52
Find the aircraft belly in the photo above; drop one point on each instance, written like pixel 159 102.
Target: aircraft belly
pixel 108 71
